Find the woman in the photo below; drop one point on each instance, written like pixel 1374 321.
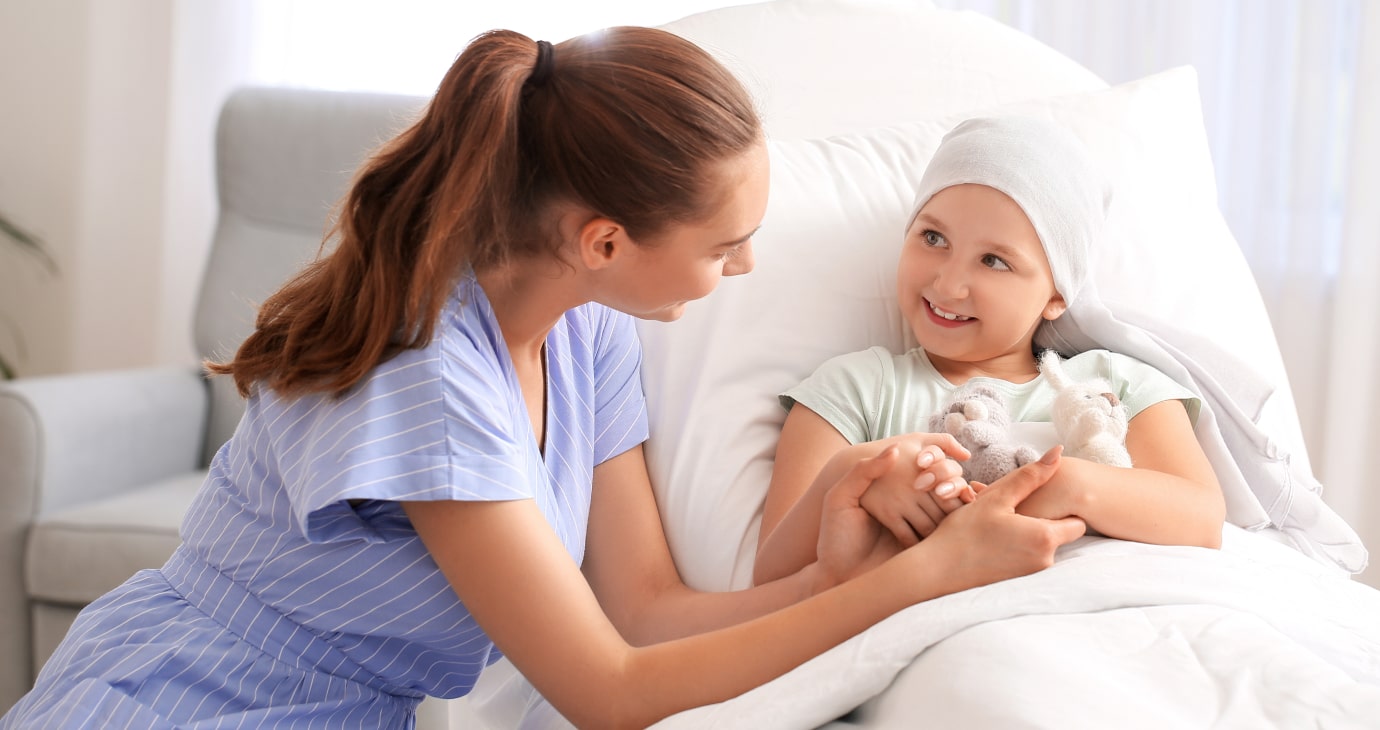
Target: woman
pixel 456 385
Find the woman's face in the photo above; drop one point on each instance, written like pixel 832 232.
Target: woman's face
pixel 687 261
pixel 973 280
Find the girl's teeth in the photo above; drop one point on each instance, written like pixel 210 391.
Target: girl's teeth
pixel 949 316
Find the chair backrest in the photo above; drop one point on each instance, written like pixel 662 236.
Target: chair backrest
pixel 284 158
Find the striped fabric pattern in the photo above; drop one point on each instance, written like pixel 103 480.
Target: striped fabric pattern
pixel 301 597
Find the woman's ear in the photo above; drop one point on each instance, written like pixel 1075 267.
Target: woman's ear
pixel 1055 307
pixel 600 241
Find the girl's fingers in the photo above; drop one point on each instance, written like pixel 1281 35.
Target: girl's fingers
pixel 921 523
pixel 901 529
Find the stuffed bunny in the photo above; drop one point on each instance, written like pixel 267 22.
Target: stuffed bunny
pixel 977 418
pixel 1090 420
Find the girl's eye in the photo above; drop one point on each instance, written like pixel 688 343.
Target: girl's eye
pixel 993 261
pixel 934 238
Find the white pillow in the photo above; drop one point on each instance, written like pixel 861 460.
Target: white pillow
pixel 825 284
pixel 826 67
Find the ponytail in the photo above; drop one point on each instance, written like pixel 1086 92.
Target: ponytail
pixel 625 122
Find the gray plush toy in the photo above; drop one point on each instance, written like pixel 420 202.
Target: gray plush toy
pixel 977 417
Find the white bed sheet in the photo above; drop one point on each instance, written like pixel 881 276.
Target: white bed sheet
pixel 1115 634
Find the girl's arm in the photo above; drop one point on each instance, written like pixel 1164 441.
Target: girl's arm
pixel 1170 496
pixel 566 634
pixel 795 496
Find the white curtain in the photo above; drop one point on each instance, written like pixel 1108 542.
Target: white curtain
pixel 1291 90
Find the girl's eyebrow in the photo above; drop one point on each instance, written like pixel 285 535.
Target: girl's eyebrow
pixel 930 219
pixel 1007 252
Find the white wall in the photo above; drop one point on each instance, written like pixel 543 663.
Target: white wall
pixel 105 153
pixel 43 66
pixel 110 275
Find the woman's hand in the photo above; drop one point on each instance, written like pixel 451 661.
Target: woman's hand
pixel 989 541
pixel 851 541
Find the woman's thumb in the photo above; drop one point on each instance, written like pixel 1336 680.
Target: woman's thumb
pixel 1017 485
pixel 861 475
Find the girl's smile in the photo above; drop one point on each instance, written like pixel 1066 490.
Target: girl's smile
pixel 944 318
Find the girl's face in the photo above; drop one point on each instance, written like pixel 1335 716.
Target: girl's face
pixel 974 283
pixel 687 262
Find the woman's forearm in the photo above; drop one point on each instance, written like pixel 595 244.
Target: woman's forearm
pixel 692 671
pixel 678 611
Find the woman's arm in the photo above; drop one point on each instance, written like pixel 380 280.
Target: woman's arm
pixel 517 580
pixel 1170 496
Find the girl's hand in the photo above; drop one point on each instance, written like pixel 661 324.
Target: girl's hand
pixel 907 499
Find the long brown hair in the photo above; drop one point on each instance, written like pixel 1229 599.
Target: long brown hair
pixel 627 123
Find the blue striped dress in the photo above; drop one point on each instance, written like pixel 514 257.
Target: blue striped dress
pixel 301 596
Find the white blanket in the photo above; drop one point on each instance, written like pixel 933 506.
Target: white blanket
pixel 1115 634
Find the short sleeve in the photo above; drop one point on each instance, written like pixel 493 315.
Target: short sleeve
pixel 845 391
pixel 1139 385
pixel 438 423
pixel 620 408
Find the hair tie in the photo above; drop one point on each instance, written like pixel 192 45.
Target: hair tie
pixel 541 71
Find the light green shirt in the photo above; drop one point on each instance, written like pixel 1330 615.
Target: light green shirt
pixel 874 394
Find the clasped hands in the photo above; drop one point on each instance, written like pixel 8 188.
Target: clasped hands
pixel 913 489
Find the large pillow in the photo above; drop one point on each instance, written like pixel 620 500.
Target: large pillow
pixel 826 67
pixel 825 284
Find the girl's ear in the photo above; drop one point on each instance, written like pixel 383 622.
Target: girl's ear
pixel 1055 307
pixel 600 242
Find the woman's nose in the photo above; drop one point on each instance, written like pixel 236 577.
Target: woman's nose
pixel 741 262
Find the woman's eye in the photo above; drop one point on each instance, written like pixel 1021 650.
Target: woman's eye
pixel 934 238
pixel 993 261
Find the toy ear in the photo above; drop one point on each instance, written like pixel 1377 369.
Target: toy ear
pixel 1049 365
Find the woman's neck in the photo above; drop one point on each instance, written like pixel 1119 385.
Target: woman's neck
pixel 527 300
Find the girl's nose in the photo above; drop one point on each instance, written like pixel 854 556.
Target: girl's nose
pixel 950 281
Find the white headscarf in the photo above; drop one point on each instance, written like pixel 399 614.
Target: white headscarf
pixel 1045 169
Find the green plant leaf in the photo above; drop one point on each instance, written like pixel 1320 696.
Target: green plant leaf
pixel 30 242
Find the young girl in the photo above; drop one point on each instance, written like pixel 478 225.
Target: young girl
pixel 998 243
pixel 440 458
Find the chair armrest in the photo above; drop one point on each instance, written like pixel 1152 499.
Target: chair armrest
pixel 68 439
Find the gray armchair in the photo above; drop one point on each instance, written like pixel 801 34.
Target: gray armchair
pixel 96 469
